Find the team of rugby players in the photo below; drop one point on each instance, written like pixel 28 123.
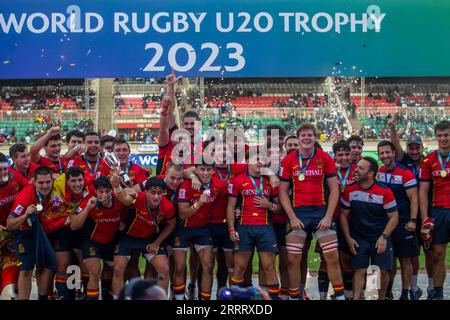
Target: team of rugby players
pixel 361 214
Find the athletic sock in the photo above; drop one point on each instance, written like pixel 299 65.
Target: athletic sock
pixel 236 283
pixel 302 291
pixel 92 294
pixel 274 291
pixel 405 294
pixel 106 290
pixel 179 291
pixel 414 283
pixel 348 284
pixel 294 294
pixel 339 291
pixel 389 288
pixel 323 283
pixel 438 292
pixel 430 284
pixel 205 295
pixel 61 288
pixel 85 280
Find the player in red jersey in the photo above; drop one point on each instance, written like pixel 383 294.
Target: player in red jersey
pixel 308 169
pixel 51 142
pixel 100 218
pixel 90 161
pixel 68 192
pixel 144 231
pixel 356 148
pixel 435 169
pixel 345 170
pixel 136 173
pixel 10 186
pixel 194 210
pixel 33 199
pixel 22 164
pixel 255 227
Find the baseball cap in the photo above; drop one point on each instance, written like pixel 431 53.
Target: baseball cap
pixel 415 139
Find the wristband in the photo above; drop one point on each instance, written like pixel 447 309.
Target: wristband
pixel 413 220
pixel 273 207
pixel 231 230
pixel 118 190
pixel 194 208
pixel 385 236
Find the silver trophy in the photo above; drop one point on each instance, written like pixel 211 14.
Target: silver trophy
pixel 114 163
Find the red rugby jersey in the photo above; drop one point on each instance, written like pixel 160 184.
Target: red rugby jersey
pixel 58 167
pixel 242 186
pixel 25 198
pixel 8 193
pixel 29 174
pixel 309 192
pixel 136 173
pixel 219 211
pixel 102 223
pixel 430 171
pixel 82 162
pixel 143 222
pixel 186 194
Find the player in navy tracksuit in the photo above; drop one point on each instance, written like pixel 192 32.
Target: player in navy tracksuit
pixel 374 218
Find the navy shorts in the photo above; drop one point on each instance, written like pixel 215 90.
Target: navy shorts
pixel 93 249
pixel 280 233
pixel 310 216
pixel 366 252
pixel 196 236
pixel 65 239
pixel 441 233
pixel 404 242
pixel 220 236
pixel 127 245
pixel 25 248
pixel 261 237
pixel 343 245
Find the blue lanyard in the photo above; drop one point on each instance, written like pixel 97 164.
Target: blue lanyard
pixel 89 165
pixel 259 191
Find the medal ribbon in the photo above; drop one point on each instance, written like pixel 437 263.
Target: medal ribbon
pixel 60 166
pixel 443 165
pixel 90 167
pixel 344 180
pixel 300 160
pixel 40 197
pixel 259 191
pixel 220 174
pixel 154 221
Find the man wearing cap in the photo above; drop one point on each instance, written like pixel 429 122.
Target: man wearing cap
pixel 412 159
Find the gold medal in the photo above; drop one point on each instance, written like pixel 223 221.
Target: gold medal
pixel 301 177
pixel 39 207
pixel 443 173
